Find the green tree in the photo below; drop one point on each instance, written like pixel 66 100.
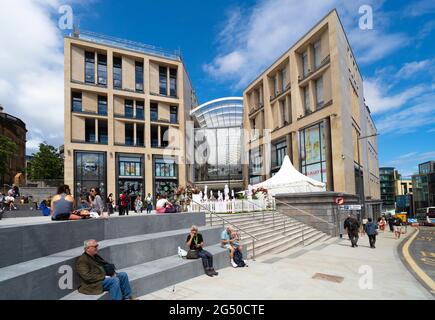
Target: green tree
pixel 46 163
pixel 8 149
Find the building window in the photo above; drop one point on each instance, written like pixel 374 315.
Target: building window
pixel 313 152
pixel 117 73
pixel 164 138
pixel 154 136
pixel 139 76
pixel 90 130
pixel 102 69
pixel 165 168
pixel 317 59
pixel 89 67
pixel 154 111
pixel 163 85
pixel 282 118
pixel 174 114
pixel 77 102
pixel 307 99
pixel 128 108
pixel 139 110
pixel 319 93
pixel 90 171
pixel 130 167
pixel 102 105
pixel 280 152
pixel 284 78
pixel 173 82
pixel 305 63
pixel 130 176
pixel 140 135
pixel 275 85
pixel 102 131
pixel 129 134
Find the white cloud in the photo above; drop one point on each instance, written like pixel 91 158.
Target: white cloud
pixel 255 38
pixel 411 68
pixel 379 101
pixel 411 119
pixel 419 8
pixel 31 67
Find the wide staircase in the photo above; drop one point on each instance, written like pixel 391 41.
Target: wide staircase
pixel 38 259
pixel 268 232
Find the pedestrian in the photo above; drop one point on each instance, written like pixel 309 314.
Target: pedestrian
pixel 351 224
pixel 397 222
pixel 364 222
pixel 149 200
pixel 110 202
pixel 371 230
pixel 391 223
pixel 138 204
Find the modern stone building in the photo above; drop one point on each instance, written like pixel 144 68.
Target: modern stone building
pixel 424 185
pixel 14 129
pixel 310 105
pixel 126 105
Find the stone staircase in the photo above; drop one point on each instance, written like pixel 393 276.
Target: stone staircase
pixel 43 254
pixel 275 232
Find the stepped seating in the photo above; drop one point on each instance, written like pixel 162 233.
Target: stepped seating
pixel 143 246
pixel 275 232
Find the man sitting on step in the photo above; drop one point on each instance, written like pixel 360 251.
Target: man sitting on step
pixel 97 275
pixel 229 241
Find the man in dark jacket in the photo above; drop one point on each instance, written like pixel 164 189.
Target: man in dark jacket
pixel 370 229
pixel 94 278
pixel 351 224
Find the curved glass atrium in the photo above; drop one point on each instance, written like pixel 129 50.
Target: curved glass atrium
pixel 218 140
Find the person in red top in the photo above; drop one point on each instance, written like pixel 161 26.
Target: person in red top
pixel 123 204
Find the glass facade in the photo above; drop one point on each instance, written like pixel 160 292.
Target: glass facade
pixel 76 101
pixel 139 76
pixel 313 152
pixel 218 140
pixel 117 73
pixel 102 105
pixel 163 81
pixel 90 172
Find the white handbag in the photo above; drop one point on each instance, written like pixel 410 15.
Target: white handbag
pixel 182 253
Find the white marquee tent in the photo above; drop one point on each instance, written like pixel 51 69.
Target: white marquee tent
pixel 289 180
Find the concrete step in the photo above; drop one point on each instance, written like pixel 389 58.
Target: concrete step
pixel 41 239
pixel 235 218
pixel 155 275
pixel 282 243
pixel 39 278
pixel 308 240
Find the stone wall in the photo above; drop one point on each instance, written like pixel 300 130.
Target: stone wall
pixel 317 209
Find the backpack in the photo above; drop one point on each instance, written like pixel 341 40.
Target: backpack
pixel 238 258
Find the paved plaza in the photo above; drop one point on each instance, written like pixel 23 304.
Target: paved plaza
pixel 289 275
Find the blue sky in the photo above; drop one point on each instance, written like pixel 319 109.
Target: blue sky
pixel 225 44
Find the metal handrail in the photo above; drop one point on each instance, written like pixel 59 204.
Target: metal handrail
pixel 305 212
pixel 228 222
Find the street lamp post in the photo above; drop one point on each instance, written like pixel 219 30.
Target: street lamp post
pixel 360 177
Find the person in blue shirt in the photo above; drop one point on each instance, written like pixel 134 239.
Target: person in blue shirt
pixel 227 242
pixel 370 229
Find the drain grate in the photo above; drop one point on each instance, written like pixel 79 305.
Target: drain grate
pixel 328 277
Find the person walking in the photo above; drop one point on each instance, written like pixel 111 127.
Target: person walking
pixel 149 201
pixel 370 229
pixel 138 204
pixel 352 225
pixel 110 202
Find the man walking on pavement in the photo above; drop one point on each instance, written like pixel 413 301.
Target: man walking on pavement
pixel 370 229
pixel 351 224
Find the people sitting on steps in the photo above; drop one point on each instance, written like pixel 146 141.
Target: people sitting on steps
pixel 231 243
pixel 97 275
pixel 195 241
pixel 164 206
pixel 352 225
pixel 62 205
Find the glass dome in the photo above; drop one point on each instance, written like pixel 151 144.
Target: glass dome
pixel 220 113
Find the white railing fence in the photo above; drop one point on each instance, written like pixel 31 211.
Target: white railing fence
pixel 233 206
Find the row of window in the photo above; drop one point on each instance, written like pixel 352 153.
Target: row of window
pixel 159 133
pixel 318 87
pixel 117 74
pixel 130 111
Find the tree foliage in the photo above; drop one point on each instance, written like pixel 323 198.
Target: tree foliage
pixel 8 149
pixel 46 163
